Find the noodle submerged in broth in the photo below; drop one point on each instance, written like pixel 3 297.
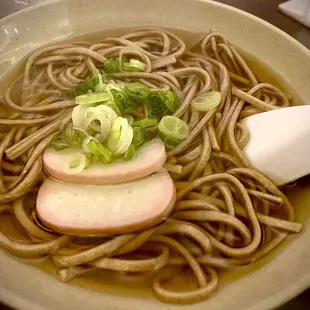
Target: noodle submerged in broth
pixel 226 212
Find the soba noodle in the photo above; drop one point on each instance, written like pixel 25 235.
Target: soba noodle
pixel 224 214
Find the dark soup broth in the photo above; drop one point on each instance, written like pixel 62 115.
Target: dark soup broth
pixel 140 285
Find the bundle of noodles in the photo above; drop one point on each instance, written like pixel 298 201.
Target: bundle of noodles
pixel 224 216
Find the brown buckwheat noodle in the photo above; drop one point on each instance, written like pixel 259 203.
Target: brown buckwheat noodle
pixel 223 217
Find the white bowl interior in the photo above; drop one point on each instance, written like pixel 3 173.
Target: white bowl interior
pixel 270 282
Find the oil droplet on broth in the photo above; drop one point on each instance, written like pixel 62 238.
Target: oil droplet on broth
pixel 140 285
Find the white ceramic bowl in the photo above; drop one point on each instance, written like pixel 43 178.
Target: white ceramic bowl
pixel 270 282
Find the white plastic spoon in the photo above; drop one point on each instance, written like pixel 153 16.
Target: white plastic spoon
pixel 279 144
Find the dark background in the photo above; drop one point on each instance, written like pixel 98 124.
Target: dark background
pixel 265 9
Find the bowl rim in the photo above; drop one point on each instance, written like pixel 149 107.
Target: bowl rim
pixel 219 4
pixel 291 290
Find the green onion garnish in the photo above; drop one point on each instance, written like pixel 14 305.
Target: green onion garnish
pixel 90 98
pixel 139 137
pixel 172 130
pixel 130 153
pixel 70 137
pixel 160 103
pixel 58 143
pixel 137 91
pixel 76 163
pixel 169 142
pixel 134 65
pixel 100 151
pixel 147 122
pixel 120 137
pixel 206 101
pixel 129 118
pixel 114 65
pixel 170 99
pixel 122 100
pixel 94 120
pixel 112 120
pixel 89 84
pixel 112 105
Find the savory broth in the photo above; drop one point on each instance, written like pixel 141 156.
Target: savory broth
pixel 125 284
pixel 110 282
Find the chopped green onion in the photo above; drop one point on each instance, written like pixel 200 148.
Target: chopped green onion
pixel 76 163
pixel 160 103
pixel 101 87
pixel 130 153
pixel 206 101
pixel 74 136
pixel 70 137
pixel 169 142
pixel 122 100
pixel 139 137
pixel 170 99
pixel 97 123
pixel 113 106
pixel 98 119
pixel 78 115
pixel 86 141
pixel 137 91
pixel 129 118
pixel 116 86
pixel 114 65
pixel 172 130
pixel 120 137
pixel 134 65
pixel 155 105
pixel 147 122
pixel 69 94
pixel 90 98
pixel 89 84
pixel 115 134
pixel 108 111
pixel 58 143
pixel 100 151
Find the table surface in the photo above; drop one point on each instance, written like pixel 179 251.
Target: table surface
pixel 265 9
